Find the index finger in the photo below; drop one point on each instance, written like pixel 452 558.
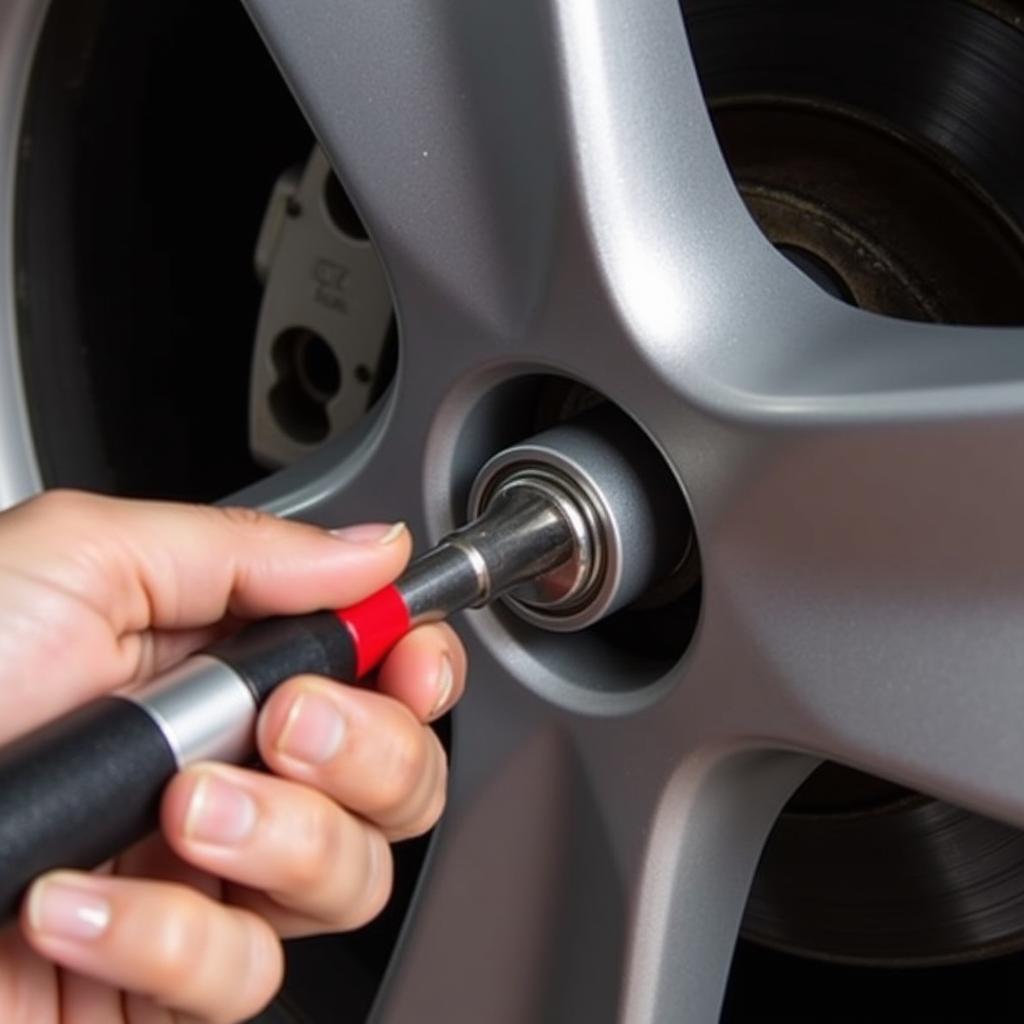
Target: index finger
pixel 175 566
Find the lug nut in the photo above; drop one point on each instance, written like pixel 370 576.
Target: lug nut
pixel 628 517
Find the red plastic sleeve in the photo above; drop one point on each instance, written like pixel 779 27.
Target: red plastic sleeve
pixel 375 624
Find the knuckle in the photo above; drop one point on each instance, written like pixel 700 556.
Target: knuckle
pixel 437 800
pixel 194 942
pixel 405 760
pixel 182 941
pixel 263 968
pixel 63 503
pixel 244 517
pixel 377 891
pixel 452 640
pixel 254 965
pixel 427 815
pixel 312 849
pixel 366 893
pixel 432 815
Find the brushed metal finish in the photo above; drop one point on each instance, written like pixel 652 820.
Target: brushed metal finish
pixel 204 709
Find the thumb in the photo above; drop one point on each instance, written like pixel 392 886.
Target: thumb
pixel 172 566
pixel 96 591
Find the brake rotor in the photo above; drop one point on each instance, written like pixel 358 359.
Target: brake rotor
pixel 907 199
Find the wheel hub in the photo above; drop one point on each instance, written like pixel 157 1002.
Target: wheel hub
pixel 635 511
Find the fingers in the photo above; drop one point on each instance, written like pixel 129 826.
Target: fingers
pixel 426 671
pixel 165 941
pixel 297 849
pixel 364 750
pixel 96 592
pixel 27 981
pixel 84 1000
pixel 171 566
pixel 312 857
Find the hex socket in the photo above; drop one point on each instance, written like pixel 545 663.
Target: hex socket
pixel 639 515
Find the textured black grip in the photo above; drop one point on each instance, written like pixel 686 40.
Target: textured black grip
pixel 77 791
pixel 82 788
pixel 269 652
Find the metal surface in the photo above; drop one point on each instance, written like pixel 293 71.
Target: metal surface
pixel 941 885
pixel 20 24
pixel 631 502
pixel 205 711
pixel 574 582
pixel 325 321
pixel 546 193
pixel 843 170
pixel 545 190
pixel 904 233
pixel 523 531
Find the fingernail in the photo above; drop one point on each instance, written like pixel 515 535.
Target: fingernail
pixel 370 533
pixel 219 812
pixel 66 910
pixel 443 683
pixel 313 731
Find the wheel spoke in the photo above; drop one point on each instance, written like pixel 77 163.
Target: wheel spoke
pixel 521 161
pixel 875 561
pixel 706 841
pixel 438 118
pixel 368 475
pixel 830 362
pixel 587 868
pixel 554 891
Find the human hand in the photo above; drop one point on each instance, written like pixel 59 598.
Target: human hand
pixel 96 594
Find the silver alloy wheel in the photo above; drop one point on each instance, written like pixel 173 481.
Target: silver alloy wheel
pixel 546 193
pixel 20 24
pixel 545 190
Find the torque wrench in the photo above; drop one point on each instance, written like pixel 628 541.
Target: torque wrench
pixel 570 525
pixel 83 787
